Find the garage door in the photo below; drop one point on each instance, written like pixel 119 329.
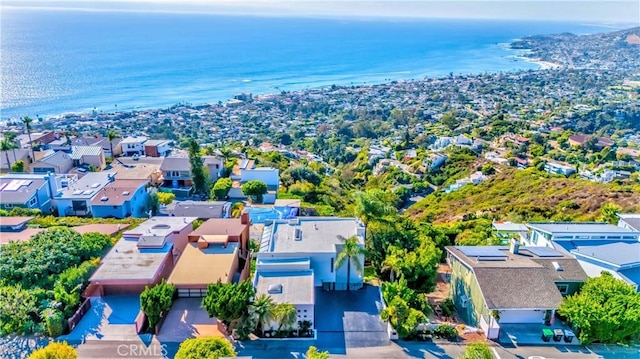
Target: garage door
pixel 521 316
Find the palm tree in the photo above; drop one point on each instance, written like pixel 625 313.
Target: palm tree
pixel 392 263
pixel 264 309
pixel 373 205
pixel 27 124
pixel 5 146
pixel 351 249
pixel 286 314
pixel 112 135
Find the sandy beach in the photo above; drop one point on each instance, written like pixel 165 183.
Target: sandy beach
pixel 544 65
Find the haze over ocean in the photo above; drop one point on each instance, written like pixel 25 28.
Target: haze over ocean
pixel 74 61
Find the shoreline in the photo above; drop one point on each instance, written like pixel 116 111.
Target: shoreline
pixel 544 65
pixel 364 82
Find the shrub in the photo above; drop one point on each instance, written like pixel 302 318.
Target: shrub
pixel 210 348
pixel 447 307
pixel 156 300
pixel 55 350
pixel 477 351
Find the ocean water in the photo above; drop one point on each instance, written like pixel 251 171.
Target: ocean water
pixel 56 62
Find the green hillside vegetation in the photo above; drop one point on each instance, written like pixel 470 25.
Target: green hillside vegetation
pixel 527 195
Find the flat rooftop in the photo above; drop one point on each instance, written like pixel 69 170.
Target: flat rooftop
pixel 204 266
pixel 220 226
pixel 586 228
pixel 160 226
pixel 619 253
pixel 88 186
pixel 318 234
pixel 287 287
pixel 125 261
pixel 14 221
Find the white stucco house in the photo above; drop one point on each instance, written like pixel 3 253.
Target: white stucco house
pixel 297 256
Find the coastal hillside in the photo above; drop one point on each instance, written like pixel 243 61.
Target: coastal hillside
pixel 527 195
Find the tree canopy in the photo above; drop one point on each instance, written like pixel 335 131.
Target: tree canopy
pixel 606 310
pixel 210 348
pixel 156 300
pixel 228 301
pixel 197 168
pixel 254 189
pixel 221 188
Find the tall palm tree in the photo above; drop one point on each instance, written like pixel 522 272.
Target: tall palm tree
pixel 351 249
pixel 27 124
pixel 287 315
pixel 392 263
pixel 112 135
pixel 264 309
pixel 5 146
pixel 373 205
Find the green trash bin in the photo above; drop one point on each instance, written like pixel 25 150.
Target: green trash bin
pixel 547 334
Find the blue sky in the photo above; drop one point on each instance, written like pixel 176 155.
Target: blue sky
pixel 602 11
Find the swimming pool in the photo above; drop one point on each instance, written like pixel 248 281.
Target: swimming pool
pixel 261 214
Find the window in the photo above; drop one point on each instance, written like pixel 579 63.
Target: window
pixel 563 288
pixel 33 201
pixel 331 265
pixel 305 310
pixel 8 205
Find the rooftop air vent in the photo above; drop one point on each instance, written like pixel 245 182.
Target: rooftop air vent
pixel 275 289
pixel 298 236
pixel 104 199
pixel 95 185
pixel 125 193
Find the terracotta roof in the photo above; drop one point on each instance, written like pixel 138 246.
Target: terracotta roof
pixel 220 226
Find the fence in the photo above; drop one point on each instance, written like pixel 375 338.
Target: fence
pixel 75 318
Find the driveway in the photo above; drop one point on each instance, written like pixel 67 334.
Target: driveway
pixel 351 319
pixel 187 319
pixel 531 334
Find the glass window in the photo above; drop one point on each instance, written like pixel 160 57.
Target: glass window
pixel 563 288
pixel 331 265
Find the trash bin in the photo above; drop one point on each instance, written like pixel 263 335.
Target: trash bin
pixel 546 334
pixel 568 336
pixel 557 335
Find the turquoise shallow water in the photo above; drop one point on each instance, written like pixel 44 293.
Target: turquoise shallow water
pixel 69 61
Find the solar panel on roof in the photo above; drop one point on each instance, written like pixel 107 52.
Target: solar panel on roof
pixel 481 251
pixel 543 251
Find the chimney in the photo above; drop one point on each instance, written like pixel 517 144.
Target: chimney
pixel 244 217
pixel 515 246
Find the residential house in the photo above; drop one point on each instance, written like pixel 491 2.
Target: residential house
pixel 621 259
pixel 177 173
pixel 14 155
pixel 34 191
pixel 121 199
pixel 200 209
pixel 88 155
pixel 289 287
pixel 522 285
pixel 38 139
pixel 217 251
pixel 157 148
pixel 559 168
pixel 133 145
pixel 544 234
pixel 629 220
pixel 311 243
pixel 76 199
pixel 246 171
pixel 508 230
pixel 52 161
pixel 142 257
pixel 581 140
pixel 434 160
